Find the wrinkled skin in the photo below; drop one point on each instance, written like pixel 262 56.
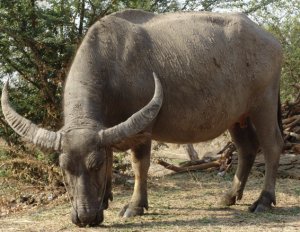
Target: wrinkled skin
pixel 215 72
pixel 87 168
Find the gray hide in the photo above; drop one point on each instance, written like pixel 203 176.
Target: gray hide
pixel 217 72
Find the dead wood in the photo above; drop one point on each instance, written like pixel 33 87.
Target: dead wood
pixel 189 148
pixel 221 162
pixel 291 123
pixel 293 134
pixel 296 148
pixel 179 169
pixel 191 163
pixel 291 119
pixel 225 147
pixel 229 151
pixel 296 129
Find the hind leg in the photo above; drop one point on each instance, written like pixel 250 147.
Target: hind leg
pixel 269 136
pixel 246 142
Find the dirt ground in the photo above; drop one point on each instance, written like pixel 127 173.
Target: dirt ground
pixel 177 202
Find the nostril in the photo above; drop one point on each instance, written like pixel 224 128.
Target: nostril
pixel 99 218
pixel 75 219
pixel 85 219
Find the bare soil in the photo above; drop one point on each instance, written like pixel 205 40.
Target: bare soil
pixel 177 202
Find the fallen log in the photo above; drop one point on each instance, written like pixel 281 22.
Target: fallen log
pixel 203 166
pixel 290 119
pixel 293 134
pixel 296 148
pixel 293 121
pixel 222 162
pixel 192 162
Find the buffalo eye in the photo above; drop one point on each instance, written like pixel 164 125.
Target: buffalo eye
pixel 94 161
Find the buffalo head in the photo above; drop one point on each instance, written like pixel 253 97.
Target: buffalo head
pixel 86 166
pixel 86 154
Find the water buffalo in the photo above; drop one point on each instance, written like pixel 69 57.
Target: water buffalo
pixel 214 72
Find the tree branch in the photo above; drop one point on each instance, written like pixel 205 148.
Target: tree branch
pixel 16 67
pixel 258 6
pixel 82 12
pixel 203 166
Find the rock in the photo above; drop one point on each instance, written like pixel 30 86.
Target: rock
pixel 51 196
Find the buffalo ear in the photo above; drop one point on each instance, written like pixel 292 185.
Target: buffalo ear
pixel 132 141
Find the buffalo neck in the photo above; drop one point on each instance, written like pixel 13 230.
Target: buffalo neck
pixel 84 85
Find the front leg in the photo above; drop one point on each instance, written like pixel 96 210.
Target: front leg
pixel 140 165
pixel 108 195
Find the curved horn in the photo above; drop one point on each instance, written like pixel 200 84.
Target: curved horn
pixel 137 122
pixel 27 129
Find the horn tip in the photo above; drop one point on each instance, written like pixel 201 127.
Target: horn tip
pixel 156 79
pixel 6 84
pixel 4 95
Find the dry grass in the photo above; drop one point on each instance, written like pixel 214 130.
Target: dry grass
pixel 182 202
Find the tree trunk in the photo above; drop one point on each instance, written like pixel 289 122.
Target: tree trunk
pixel 82 12
pixel 189 148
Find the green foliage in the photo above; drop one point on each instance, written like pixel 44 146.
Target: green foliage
pixel 3 154
pixel 289 35
pixel 282 19
pixel 36 48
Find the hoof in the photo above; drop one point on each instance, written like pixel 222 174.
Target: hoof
pixel 264 203
pixel 129 211
pixel 227 200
